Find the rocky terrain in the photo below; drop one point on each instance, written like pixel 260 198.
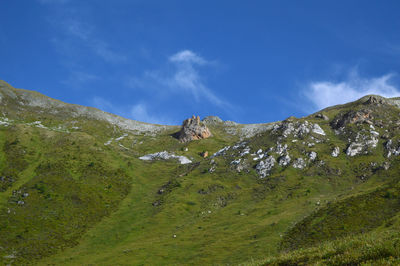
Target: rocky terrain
pixel 80 186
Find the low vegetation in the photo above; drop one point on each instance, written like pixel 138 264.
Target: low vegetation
pixel 73 190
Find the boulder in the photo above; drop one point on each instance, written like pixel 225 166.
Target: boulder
pixel 335 152
pixel 193 129
pixel 284 160
pixel 299 163
pixel 322 116
pixel 204 154
pixel 212 120
pixel 318 130
pixel 312 155
pixel 264 167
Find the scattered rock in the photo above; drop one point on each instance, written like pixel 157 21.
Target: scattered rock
pixel 235 162
pixel 335 152
pixel 386 166
pixel 281 149
pixel 212 169
pixel 204 154
pixel 193 129
pixel 354 149
pixel 322 116
pixel 312 155
pixel 284 160
pixel 245 151
pixel 391 150
pixel 264 167
pixel 239 165
pixel 164 155
pixel 318 130
pixel 299 163
pixel 221 152
pixel 297 129
pixel 362 144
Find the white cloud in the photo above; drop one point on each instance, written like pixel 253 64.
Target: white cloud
pixel 78 78
pixel 184 78
pixel 139 112
pixel 75 28
pixel 327 93
pixel 187 56
pixel 102 104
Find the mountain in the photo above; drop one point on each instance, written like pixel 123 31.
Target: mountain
pixel 80 186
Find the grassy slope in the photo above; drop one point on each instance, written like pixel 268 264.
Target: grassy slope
pixel 94 202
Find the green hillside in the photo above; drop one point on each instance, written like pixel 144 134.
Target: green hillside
pixel 74 189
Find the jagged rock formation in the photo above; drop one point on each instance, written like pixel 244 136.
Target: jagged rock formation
pixel 193 129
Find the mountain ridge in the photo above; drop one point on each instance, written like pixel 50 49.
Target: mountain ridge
pixel 80 189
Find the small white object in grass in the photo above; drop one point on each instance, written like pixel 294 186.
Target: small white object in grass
pixel 318 130
pixel 174 236
pixel 122 137
pixel 109 142
pixel 209 211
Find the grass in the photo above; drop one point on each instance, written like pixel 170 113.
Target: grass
pixel 380 247
pixel 93 204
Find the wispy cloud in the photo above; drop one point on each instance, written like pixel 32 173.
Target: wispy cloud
pixel 327 93
pixel 85 33
pixel 82 77
pixel 183 76
pixel 139 111
pixel 187 57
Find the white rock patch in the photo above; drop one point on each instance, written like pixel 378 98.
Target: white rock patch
pixel 318 130
pixel 164 155
pixel 335 152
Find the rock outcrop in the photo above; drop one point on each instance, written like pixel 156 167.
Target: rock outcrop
pixel 264 167
pixel 299 163
pixel 193 129
pixel 352 117
pixel 361 144
pixel 322 116
pixel 375 99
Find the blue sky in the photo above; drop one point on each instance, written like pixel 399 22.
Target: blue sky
pixel 162 61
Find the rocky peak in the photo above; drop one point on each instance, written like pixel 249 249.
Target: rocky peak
pixel 374 99
pixel 193 129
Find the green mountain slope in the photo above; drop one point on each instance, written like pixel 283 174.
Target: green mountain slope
pixel 75 190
